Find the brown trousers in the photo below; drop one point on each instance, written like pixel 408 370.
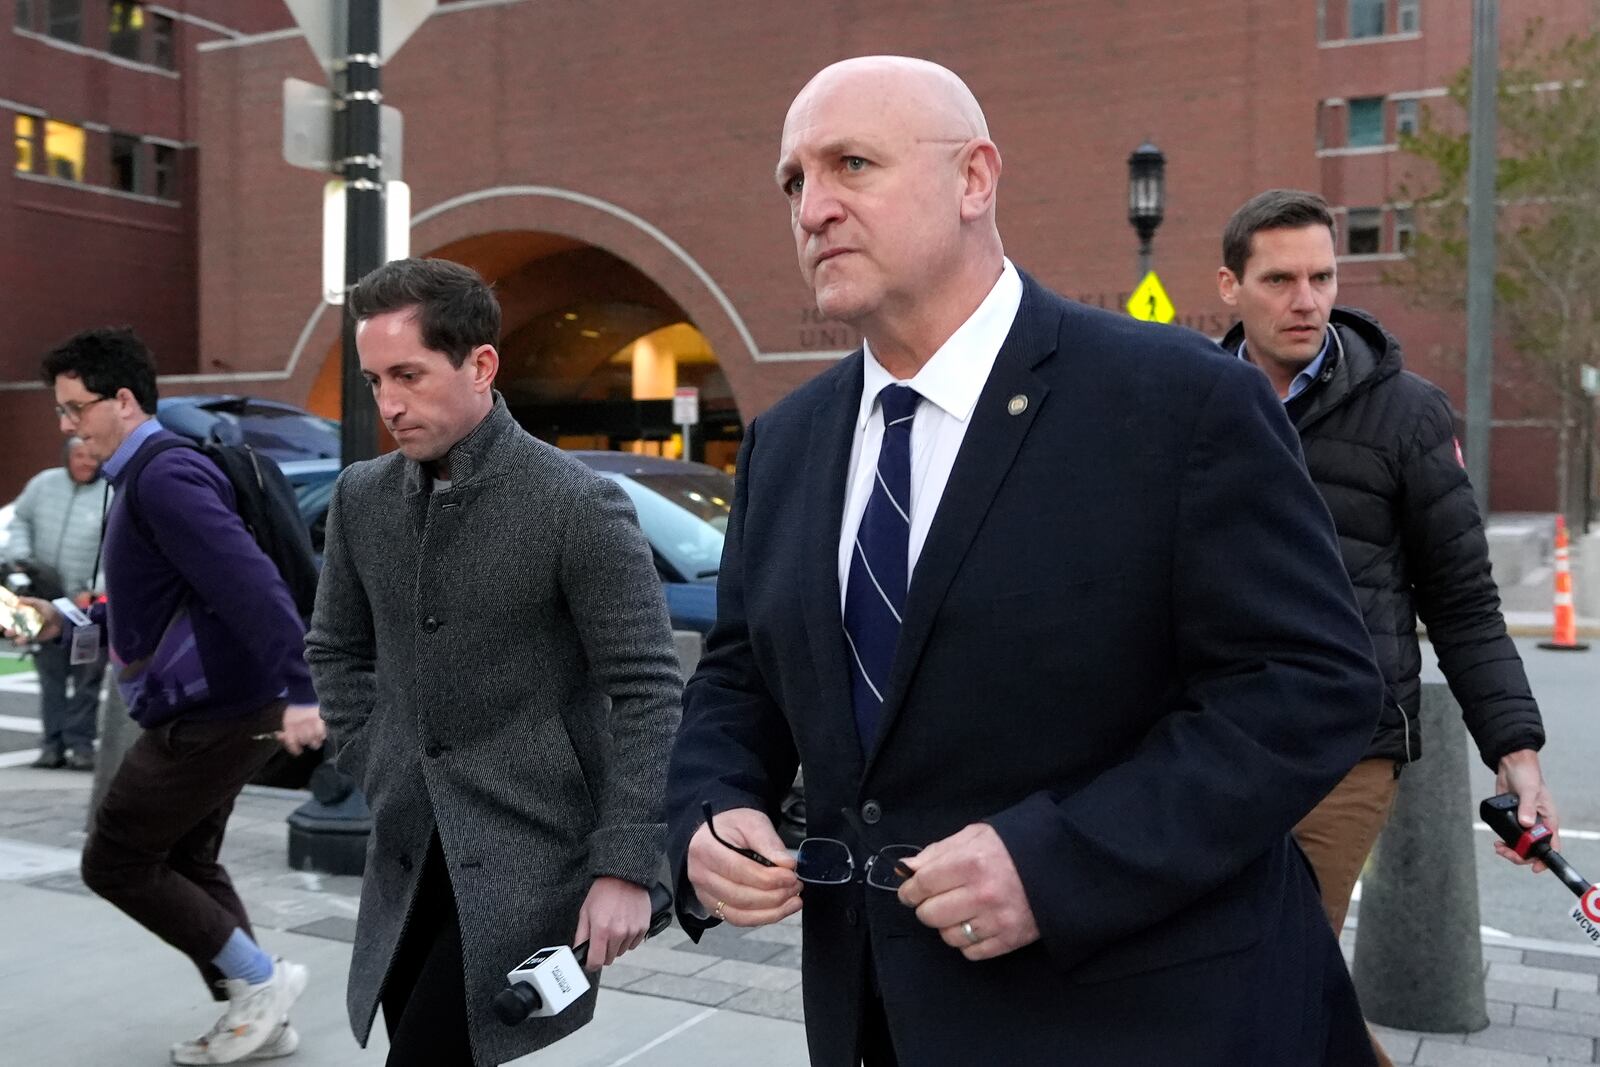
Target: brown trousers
pixel 1339 834
pixel 152 848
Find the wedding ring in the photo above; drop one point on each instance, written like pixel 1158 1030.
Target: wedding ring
pixel 972 935
pixel 717 912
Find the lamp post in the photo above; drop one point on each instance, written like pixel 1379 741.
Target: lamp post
pixel 1147 197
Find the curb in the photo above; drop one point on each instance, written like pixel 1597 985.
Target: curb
pixel 1586 631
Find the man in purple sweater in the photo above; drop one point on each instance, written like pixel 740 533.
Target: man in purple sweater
pixel 209 652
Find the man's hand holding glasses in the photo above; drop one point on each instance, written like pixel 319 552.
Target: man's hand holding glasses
pixel 746 878
pixel 967 888
pixel 822 861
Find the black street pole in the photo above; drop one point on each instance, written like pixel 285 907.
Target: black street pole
pixel 329 832
pixel 1482 164
pixel 358 115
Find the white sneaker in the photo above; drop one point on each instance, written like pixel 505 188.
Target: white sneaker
pixel 254 1016
pixel 283 1041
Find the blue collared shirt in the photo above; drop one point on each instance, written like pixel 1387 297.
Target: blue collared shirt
pixel 1303 380
pixel 130 444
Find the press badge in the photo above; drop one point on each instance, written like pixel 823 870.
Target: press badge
pixel 85 634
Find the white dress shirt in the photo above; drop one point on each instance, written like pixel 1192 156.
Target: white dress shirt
pixel 949 385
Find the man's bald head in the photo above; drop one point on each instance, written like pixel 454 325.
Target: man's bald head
pixel 934 98
pixel 891 180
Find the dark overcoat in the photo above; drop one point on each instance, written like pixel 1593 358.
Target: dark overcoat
pixel 495 664
pixel 1128 645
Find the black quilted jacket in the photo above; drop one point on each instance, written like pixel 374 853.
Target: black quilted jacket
pixel 1380 444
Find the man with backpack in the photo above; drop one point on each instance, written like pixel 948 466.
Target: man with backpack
pixel 209 649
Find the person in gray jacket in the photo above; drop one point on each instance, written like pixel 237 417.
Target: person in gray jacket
pixel 492 654
pixel 56 525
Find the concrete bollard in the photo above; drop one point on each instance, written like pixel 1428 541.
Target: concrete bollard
pixel 1419 956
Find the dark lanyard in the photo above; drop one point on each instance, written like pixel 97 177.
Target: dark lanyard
pixel 105 505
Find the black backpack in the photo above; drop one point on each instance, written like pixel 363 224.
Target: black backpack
pixel 265 501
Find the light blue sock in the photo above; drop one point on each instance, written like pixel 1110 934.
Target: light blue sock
pixel 243 958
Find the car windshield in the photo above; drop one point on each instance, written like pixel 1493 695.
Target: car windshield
pixel 313 492
pixel 684 516
pixel 280 430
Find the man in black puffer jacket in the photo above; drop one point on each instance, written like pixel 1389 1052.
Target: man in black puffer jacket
pixel 1380 445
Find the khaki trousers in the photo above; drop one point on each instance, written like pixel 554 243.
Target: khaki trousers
pixel 1339 834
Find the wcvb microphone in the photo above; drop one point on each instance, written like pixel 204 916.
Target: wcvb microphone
pixel 552 978
pixel 1500 813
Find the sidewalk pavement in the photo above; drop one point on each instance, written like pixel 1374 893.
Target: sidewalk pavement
pixel 81 985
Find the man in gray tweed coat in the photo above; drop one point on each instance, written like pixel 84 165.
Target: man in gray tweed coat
pixel 492 654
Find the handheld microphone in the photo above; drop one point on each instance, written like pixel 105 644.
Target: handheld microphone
pixel 1500 813
pixel 548 981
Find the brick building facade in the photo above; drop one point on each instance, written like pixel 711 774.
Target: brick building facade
pixel 98 219
pixel 619 156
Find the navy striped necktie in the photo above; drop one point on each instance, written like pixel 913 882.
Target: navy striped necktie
pixel 875 595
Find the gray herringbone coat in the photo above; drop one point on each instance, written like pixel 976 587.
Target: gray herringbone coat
pixel 494 660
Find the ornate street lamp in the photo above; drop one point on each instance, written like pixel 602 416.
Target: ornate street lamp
pixel 1147 197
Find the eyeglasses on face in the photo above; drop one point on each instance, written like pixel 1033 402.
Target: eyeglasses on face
pixel 829 861
pixel 73 410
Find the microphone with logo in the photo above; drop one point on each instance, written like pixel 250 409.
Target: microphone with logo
pixel 1500 813
pixel 548 981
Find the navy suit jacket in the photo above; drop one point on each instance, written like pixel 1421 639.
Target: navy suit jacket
pixel 1129 645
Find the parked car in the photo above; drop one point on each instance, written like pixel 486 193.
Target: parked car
pixel 280 431
pixel 682 508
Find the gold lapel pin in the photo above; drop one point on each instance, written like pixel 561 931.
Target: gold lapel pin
pixel 1018 404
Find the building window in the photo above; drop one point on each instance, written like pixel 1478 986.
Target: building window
pixel 125 29
pixel 162 54
pixel 1405 118
pixel 25 14
pixel 64 150
pixel 1365 227
pixel 1367 18
pixel 164 173
pixel 125 162
pixel 1366 122
pixel 1408 16
pixel 27 134
pixel 65 20
pixel 1405 230
pixel 1322 20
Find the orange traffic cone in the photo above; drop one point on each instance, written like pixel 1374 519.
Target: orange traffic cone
pixel 1564 638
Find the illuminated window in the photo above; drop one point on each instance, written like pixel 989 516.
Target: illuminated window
pixel 125 162
pixel 65 20
pixel 125 27
pixel 27 143
pixel 164 174
pixel 64 150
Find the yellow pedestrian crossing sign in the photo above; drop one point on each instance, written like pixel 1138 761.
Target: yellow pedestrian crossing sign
pixel 1150 302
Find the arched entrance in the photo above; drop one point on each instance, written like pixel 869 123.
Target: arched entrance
pixel 591 350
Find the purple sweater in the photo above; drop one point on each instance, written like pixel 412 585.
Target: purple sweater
pixel 200 622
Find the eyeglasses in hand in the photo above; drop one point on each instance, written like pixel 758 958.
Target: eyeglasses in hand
pixel 829 861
